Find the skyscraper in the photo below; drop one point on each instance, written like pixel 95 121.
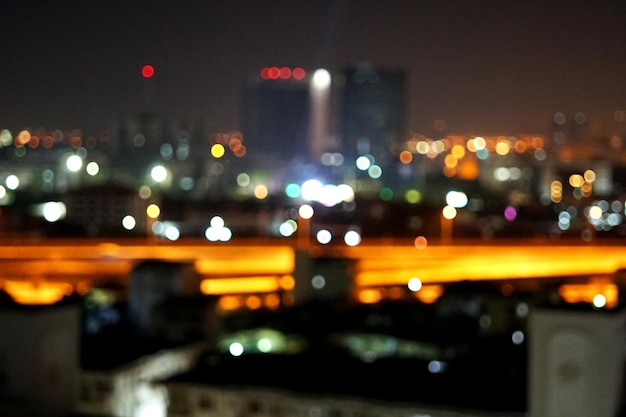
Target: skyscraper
pixel 276 114
pixel 373 111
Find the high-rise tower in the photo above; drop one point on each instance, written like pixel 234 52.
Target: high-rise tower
pixel 285 113
pixel 373 111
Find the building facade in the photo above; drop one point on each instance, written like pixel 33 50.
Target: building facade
pixel 373 112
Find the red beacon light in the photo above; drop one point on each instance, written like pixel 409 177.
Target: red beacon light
pixel 298 73
pixel 147 71
pixel 283 73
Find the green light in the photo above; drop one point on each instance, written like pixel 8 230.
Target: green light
pixel 386 194
pixel 292 190
pixel 413 196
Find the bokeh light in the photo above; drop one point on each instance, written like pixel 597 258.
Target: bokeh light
pixel 321 79
pixel 218 150
pixel 420 242
pixel 158 173
pixel 53 211
pixel 287 228
pixel 74 163
pixel 448 212
pixel 305 211
pixel 236 349
pixel 172 232
pixel 12 182
pixel 413 196
pixel 510 213
pixel 92 168
pixel 324 236
pixel 415 284
pixel 129 222
pixel 147 71
pixel 261 192
pixel 456 199
pixel 352 238
pixel 153 211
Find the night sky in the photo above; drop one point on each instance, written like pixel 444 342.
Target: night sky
pixel 484 67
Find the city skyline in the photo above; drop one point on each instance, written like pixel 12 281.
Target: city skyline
pixel 475 67
pixel 345 190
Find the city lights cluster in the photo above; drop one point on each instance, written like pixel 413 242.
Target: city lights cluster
pixel 217 230
pixel 326 194
pixel 40 138
pixel 282 73
pixel 582 186
pixel 604 216
pixel 222 142
pixel 461 154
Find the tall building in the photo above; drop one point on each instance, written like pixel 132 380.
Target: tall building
pixel 276 115
pixel 373 112
pixel 285 114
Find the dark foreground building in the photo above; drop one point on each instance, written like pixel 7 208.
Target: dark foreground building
pixel 472 353
pixel 384 360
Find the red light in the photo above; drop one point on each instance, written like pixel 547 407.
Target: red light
pixel 298 73
pixel 273 73
pixel 285 73
pixel 147 71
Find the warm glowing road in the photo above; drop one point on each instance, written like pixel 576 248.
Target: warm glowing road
pixel 377 263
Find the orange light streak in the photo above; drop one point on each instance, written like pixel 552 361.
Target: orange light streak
pixel 271 260
pixel 259 284
pixel 453 263
pixel 376 263
pixel 64 267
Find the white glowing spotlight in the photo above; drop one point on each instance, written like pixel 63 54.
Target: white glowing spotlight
pixel 324 236
pixel 311 190
pixel 326 194
pixel 53 211
pixel 158 173
pixel 456 199
pixel 305 211
pixel 172 233
pixel 12 182
pixel 93 168
pixel 288 228
pixel 449 212
pixel 236 349
pixel 415 284
pixel 321 79
pixel 217 231
pixel 352 238
pixel 129 222
pixel 74 163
